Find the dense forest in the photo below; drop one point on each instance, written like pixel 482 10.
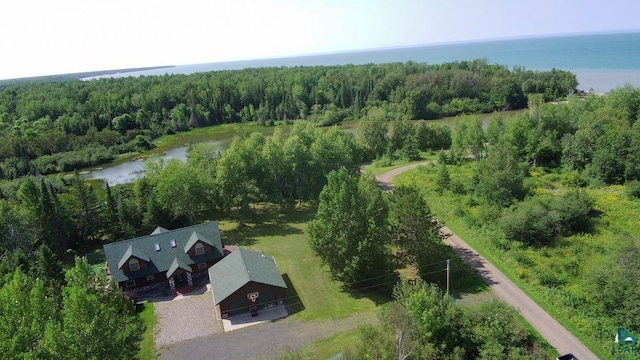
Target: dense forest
pixel 60 126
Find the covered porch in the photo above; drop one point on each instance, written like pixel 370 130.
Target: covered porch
pixel 179 276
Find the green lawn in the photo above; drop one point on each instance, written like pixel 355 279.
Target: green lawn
pixel 147 347
pixel 312 293
pixel 329 347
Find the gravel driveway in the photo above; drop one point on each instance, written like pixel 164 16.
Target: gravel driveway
pixel 184 318
pixel 264 341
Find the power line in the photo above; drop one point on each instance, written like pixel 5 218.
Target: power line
pixel 378 284
pixel 361 288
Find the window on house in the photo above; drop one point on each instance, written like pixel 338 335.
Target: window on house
pixel 131 283
pixel 134 265
pixel 199 249
pixel 173 243
pixel 202 265
pixel 150 277
pixel 157 246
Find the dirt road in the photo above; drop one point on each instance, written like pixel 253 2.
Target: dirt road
pixel 385 180
pixel 551 330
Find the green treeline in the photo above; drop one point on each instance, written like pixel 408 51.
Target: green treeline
pixel 48 314
pixel 70 216
pixel 57 126
pixel 552 195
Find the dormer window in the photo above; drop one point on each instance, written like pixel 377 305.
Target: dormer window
pixel 199 249
pixel 173 243
pixel 157 246
pixel 134 265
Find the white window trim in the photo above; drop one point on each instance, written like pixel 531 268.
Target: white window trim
pixel 150 277
pixel 134 261
pixel 202 265
pixel 199 248
pixel 130 283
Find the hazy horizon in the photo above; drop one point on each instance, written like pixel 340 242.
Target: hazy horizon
pixel 354 51
pixel 75 36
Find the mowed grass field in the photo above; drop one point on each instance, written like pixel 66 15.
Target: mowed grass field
pixel 312 293
pixel 567 264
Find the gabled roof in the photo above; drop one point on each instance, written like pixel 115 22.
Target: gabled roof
pixel 144 247
pixel 193 239
pixel 179 264
pixel 241 267
pixel 159 230
pixel 132 251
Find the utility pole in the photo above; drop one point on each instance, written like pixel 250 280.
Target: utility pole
pixel 448 271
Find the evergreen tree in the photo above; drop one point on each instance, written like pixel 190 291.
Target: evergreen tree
pixel 112 223
pixel 82 207
pixel 48 268
pixel 444 179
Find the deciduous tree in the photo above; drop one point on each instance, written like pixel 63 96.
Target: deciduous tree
pixel 349 233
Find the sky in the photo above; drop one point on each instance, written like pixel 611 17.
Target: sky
pixel 44 37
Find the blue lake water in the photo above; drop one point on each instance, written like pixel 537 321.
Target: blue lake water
pixel 601 61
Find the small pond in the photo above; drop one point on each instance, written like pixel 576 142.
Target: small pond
pixel 129 171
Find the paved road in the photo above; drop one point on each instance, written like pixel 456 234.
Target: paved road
pixel 555 334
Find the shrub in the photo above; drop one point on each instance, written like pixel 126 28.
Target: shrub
pixel 550 279
pixel 573 179
pixel 573 209
pixel 383 161
pixel 529 222
pixel 522 259
pixel 457 187
pixel 632 189
pixel 538 221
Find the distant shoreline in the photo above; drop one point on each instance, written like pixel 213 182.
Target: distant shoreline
pixel 601 62
pixel 100 74
pixel 89 75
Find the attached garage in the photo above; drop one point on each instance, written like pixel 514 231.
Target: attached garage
pixel 244 280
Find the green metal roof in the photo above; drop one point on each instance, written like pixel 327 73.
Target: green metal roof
pixel 241 267
pixel 159 261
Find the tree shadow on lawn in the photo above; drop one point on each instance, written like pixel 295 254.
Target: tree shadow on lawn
pixel 378 289
pixel 463 278
pixel 294 303
pixel 248 234
pixel 379 295
pixel 269 223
